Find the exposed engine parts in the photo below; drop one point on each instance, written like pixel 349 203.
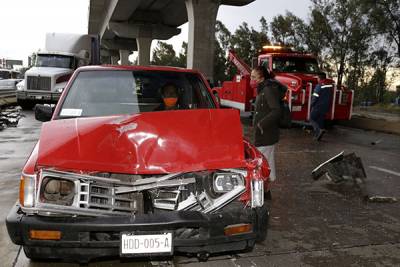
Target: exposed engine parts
pixel 81 194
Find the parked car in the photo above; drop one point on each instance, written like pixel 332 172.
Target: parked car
pixel 114 175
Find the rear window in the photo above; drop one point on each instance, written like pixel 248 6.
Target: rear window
pixel 112 92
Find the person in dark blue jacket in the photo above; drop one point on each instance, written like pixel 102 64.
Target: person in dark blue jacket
pixel 320 104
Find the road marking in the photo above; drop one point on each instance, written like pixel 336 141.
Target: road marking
pixel 385 170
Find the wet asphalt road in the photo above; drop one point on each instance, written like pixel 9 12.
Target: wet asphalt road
pixel 311 224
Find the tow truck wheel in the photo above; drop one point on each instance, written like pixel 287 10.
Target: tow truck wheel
pixel 26 105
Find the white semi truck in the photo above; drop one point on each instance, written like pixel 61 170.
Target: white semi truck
pixel 52 67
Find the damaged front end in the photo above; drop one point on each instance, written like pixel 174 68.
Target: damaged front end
pixel 100 191
pixel 103 194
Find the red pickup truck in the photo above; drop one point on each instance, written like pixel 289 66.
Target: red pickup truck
pixel 113 175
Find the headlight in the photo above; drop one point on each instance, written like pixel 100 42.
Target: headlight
pixel 57 191
pixel 257 193
pixel 27 189
pixel 20 86
pixel 225 182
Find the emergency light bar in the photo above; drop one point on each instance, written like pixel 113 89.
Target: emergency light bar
pixel 276 48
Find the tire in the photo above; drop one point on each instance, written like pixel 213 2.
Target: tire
pixel 26 105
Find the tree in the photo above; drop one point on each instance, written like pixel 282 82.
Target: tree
pixel 248 42
pixel 384 17
pixel 164 55
pixel 288 30
pixel 348 36
pixel 222 68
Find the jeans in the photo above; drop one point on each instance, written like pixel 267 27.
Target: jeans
pixel 268 152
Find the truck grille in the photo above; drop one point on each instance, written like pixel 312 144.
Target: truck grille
pixel 39 83
pixel 103 197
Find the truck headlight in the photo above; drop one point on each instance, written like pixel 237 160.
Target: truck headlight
pixel 225 182
pixel 57 191
pixel 27 189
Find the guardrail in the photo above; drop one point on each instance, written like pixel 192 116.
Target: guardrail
pixel 8 97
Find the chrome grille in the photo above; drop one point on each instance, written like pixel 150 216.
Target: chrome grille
pixel 39 83
pixel 103 197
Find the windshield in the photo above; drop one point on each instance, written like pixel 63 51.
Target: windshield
pixel 295 64
pixel 56 61
pixel 5 75
pixel 111 92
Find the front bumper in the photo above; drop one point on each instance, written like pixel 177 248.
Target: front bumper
pixel 38 95
pixel 86 238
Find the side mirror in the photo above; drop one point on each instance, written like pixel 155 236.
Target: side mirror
pixel 43 112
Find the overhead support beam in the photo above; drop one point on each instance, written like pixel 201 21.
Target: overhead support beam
pixel 108 12
pixel 119 44
pixel 202 17
pixel 144 35
pixel 155 31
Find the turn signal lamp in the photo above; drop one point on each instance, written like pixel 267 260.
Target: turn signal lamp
pixel 27 191
pixel 44 235
pixel 237 229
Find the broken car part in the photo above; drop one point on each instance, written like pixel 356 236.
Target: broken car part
pixel 78 194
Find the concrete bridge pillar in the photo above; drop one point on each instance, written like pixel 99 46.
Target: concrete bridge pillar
pixel 144 45
pixel 124 57
pixel 202 15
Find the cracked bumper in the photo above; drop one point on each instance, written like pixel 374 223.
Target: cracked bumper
pixel 86 238
pixel 38 95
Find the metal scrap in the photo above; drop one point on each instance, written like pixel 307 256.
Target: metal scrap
pixel 10 116
pixel 348 168
pixel 381 199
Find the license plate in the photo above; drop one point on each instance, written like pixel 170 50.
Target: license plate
pixel 38 97
pixel 296 108
pixel 140 245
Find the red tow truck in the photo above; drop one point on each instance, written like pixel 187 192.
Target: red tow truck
pixel 297 71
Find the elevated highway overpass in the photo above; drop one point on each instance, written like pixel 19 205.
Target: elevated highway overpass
pixel 131 25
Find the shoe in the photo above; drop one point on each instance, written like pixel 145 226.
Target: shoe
pixel 320 134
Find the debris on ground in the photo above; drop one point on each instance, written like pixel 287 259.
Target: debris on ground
pixel 341 168
pixel 381 199
pixel 376 142
pixel 348 168
pixel 10 116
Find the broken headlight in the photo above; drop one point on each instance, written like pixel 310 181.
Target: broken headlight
pixel 226 182
pixel 57 191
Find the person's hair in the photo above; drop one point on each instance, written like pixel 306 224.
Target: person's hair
pixel 264 72
pixel 169 84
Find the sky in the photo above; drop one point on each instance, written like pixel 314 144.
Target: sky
pixel 26 22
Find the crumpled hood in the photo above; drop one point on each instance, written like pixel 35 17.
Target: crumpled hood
pixel 147 143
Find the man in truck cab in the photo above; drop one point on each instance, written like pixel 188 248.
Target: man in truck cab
pixel 321 99
pixel 169 94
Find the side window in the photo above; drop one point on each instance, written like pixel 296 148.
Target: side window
pixel 265 63
pixel 200 97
